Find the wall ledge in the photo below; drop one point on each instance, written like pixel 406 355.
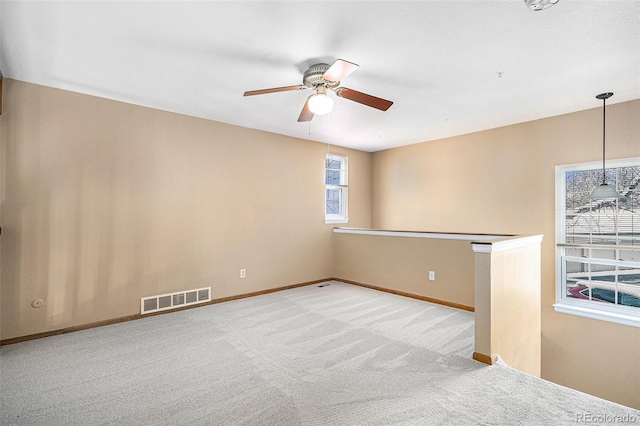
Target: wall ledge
pixel 506 244
pixel 421 234
pixel 481 243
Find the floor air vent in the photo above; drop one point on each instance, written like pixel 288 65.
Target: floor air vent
pixel 179 299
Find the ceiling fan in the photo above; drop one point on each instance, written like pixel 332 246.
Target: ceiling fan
pixel 320 78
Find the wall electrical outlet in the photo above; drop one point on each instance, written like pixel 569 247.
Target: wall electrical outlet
pixel 432 275
pixel 243 273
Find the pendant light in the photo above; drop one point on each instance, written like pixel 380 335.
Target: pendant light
pixel 604 191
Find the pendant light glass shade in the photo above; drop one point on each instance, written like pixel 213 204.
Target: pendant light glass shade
pixel 604 191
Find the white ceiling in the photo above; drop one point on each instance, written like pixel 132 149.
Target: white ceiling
pixel 439 61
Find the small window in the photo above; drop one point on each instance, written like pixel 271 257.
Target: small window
pixel 336 189
pixel 598 242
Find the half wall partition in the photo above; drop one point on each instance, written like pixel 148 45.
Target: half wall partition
pixel 495 276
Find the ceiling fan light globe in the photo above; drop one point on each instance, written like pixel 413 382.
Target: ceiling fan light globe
pixel 320 104
pixel 604 192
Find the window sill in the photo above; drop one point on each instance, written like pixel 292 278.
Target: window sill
pixel 624 318
pixel 332 221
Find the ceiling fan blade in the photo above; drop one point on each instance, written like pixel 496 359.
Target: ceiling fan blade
pixel 305 114
pixel 339 70
pixel 363 98
pixel 274 90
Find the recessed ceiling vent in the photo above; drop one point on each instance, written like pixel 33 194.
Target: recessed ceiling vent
pixel 164 302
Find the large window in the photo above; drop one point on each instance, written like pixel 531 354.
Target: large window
pixel 336 190
pixel 598 242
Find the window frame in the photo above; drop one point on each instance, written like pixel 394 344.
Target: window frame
pixel 343 188
pixel 615 313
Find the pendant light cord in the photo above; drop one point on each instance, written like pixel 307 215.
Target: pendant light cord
pixel 604 121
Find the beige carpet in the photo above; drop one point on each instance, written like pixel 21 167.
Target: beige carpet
pixel 331 355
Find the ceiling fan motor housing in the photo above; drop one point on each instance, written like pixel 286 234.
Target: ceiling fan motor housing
pixel 313 77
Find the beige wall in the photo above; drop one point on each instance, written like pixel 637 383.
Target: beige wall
pixel 502 181
pixel 403 264
pixel 105 202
